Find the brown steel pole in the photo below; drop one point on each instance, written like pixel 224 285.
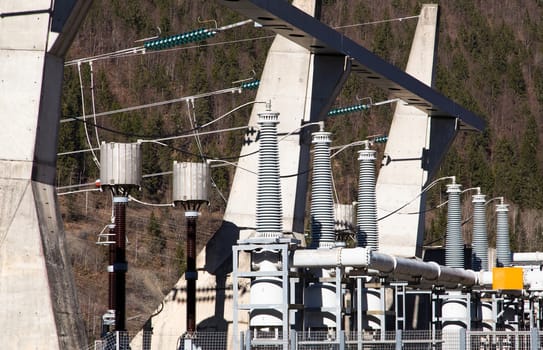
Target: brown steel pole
pixel 111 248
pixel 120 265
pixel 191 275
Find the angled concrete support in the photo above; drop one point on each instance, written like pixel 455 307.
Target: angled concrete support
pixel 39 305
pixel 415 146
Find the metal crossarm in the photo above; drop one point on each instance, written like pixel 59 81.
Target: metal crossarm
pixel 288 21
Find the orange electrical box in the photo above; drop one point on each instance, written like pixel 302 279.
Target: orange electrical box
pixel 507 278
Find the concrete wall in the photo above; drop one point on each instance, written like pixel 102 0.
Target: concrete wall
pixel 38 304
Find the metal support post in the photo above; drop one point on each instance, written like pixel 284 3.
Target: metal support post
pixel 462 339
pixel 235 293
pixel 398 339
pixel 468 311
pixel 247 340
pixel 534 339
pixel 399 305
pixel 382 299
pixel 293 339
pixel 285 284
pixel 120 265
pixel 339 319
pixel 359 326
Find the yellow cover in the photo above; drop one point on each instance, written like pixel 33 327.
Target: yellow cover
pixel 507 278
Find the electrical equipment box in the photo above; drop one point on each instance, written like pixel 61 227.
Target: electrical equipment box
pixel 507 278
pixel 344 217
pixel 191 182
pixel 120 164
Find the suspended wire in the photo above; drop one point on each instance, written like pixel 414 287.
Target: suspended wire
pixel 83 108
pixel 192 118
pixel 168 138
pixel 163 139
pixel 79 191
pixel 344 147
pixel 140 50
pixel 399 19
pixel 232 164
pixel 93 104
pixel 191 114
pixel 75 186
pixel 417 196
pixel 494 199
pixel 442 204
pixel 149 204
pixel 230 112
pixel 156 104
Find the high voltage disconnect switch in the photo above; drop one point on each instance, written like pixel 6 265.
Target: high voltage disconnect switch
pixel 179 39
pixel 350 109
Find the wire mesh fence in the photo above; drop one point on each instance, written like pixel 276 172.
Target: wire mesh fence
pixel 500 340
pixel 203 340
pixel 459 339
pixel 112 341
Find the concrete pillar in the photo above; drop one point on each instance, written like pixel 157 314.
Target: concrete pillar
pixel 403 178
pixel 37 292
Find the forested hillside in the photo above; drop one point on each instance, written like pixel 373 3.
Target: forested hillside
pixel 489 60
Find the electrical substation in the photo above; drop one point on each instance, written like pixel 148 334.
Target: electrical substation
pixel 361 279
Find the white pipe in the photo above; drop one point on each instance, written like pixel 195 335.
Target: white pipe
pixel 528 257
pixel 355 257
pixel 485 279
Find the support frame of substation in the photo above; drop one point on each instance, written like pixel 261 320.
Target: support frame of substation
pixel 326 59
pixel 283 246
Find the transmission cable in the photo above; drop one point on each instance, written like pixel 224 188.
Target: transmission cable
pixel 417 196
pixel 83 108
pixel 93 103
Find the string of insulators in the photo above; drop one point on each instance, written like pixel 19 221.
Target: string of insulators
pixel 250 85
pixel 380 139
pixel 179 39
pixel 350 109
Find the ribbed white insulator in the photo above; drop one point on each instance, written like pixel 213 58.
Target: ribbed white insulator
pixel 269 211
pixel 503 250
pixel 454 243
pixel 366 221
pixel 322 202
pixel 479 257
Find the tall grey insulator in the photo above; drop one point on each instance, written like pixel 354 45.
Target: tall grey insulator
pixel 269 213
pixel 454 243
pixel 479 257
pixel 366 221
pixel 322 202
pixel 503 251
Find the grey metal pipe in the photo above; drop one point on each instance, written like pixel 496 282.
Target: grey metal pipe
pixel 387 264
